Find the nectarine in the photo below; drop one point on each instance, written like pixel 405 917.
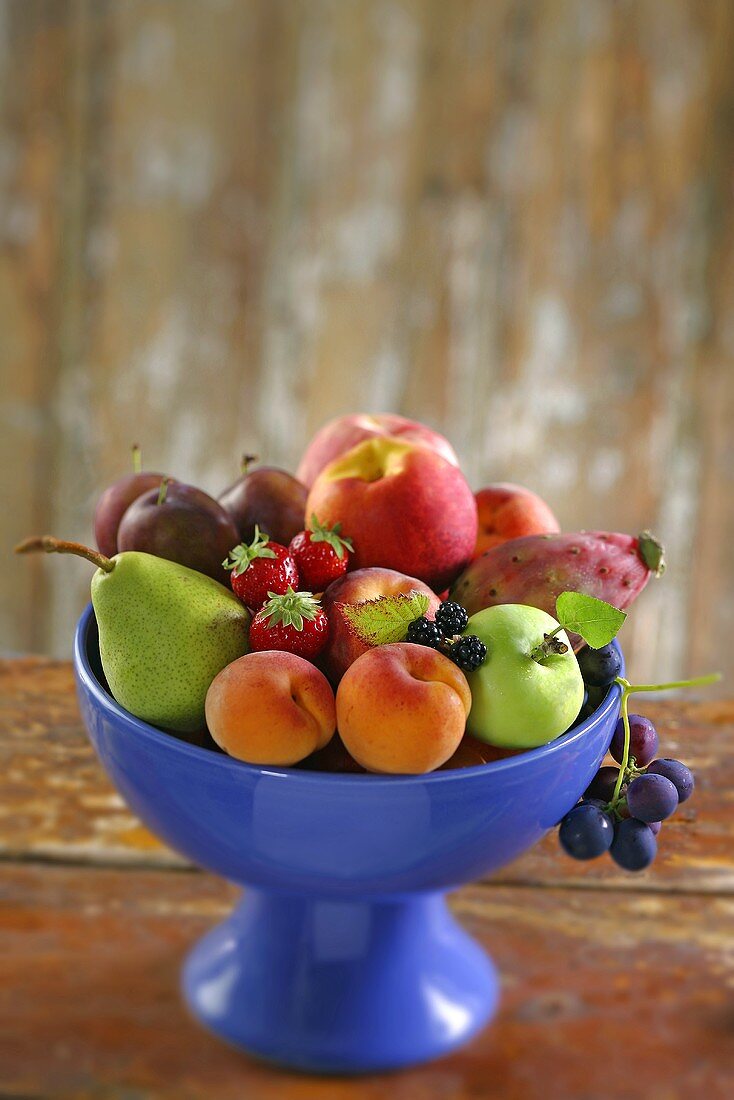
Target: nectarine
pixel 402 708
pixel 405 507
pixel 363 585
pixel 345 432
pixel 270 707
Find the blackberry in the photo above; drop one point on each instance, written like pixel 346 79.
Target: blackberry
pixel 423 632
pixel 468 653
pixel 452 618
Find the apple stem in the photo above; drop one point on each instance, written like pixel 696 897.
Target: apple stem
pixel 137 458
pixel 247 461
pixel 549 647
pixel 163 491
pixel 49 545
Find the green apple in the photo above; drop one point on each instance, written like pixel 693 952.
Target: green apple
pixel 519 702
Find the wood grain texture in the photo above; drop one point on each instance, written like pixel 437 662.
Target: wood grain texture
pixel 605 977
pixel 90 1008
pixel 57 805
pixel 223 223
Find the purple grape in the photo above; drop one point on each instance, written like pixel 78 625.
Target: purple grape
pixel 594 802
pixel 603 784
pixel 651 797
pixel 599 666
pixel 584 711
pixel 634 846
pixel 656 826
pixel 643 740
pixel 586 832
pixel 593 698
pixel 679 775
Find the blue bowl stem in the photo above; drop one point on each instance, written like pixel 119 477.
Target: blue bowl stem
pixel 341 986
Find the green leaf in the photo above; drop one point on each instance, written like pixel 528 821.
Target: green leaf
pixel 386 619
pixel 595 620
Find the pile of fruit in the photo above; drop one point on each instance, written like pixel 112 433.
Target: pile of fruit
pixel 371 614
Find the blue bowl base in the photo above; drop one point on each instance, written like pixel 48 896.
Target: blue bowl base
pixel 333 986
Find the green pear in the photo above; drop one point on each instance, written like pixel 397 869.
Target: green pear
pixel 165 632
pixel 518 701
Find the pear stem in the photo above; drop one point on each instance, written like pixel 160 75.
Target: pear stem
pixel 137 458
pixel 49 545
pixel 163 491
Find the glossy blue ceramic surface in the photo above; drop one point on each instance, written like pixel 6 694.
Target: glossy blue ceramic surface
pixel 342 957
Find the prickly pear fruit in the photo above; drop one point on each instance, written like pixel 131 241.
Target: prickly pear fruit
pixel 536 569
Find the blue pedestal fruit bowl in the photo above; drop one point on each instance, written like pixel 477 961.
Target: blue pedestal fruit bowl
pixel 342 956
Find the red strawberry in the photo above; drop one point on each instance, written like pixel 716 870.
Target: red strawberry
pixel 260 570
pixel 537 568
pixel 321 554
pixel 294 622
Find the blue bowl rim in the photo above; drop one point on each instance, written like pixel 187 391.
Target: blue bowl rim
pixel 173 744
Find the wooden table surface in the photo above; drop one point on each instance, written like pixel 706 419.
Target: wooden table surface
pixel 613 985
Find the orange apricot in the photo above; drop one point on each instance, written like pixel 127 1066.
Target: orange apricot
pixel 270 707
pixel 402 708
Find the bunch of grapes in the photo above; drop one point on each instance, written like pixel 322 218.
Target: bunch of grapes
pixel 623 807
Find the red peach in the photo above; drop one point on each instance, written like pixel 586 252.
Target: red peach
pixel 508 511
pixel 345 432
pixel 270 707
pixel 361 586
pixel 404 507
pixel 402 709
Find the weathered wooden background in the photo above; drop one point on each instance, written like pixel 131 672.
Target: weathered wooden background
pixel 223 222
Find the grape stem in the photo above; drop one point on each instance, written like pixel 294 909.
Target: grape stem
pixel 698 681
pixel 629 689
pixel 624 710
